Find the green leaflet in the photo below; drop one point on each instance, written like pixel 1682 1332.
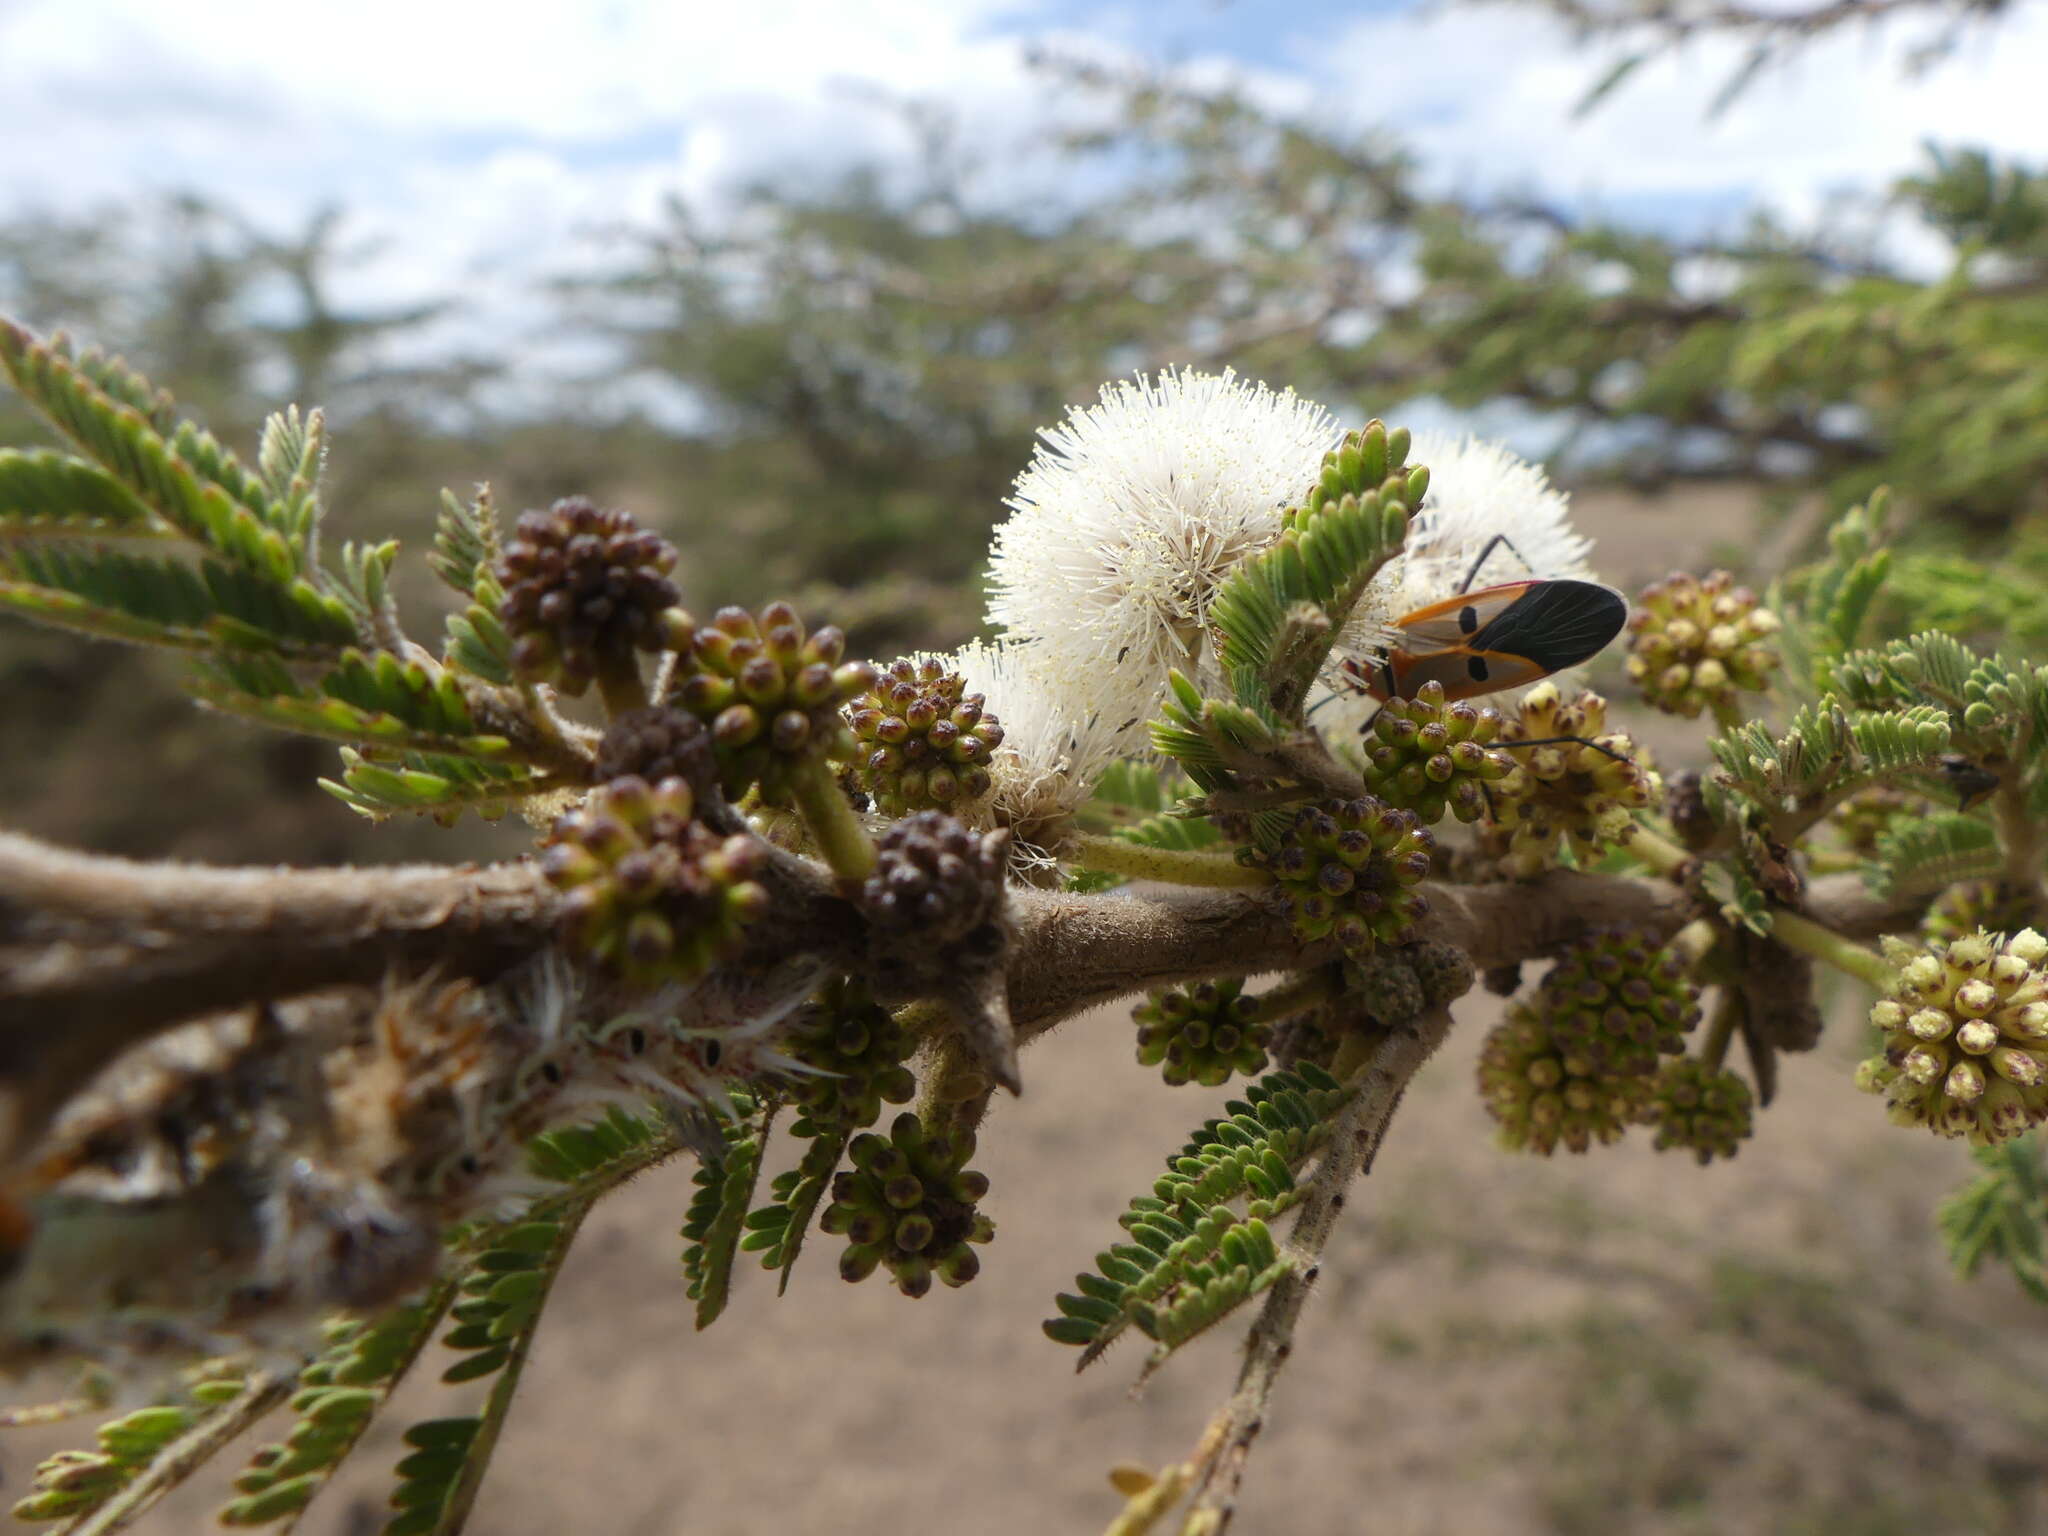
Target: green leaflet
pixel 371 699
pixel 340 1391
pixel 464 554
pixel 1191 1259
pixel 777 1230
pixel 2002 1215
pixel 143 1454
pixel 497 1310
pixel 121 595
pixel 1278 614
pixel 1924 854
pixel 431 783
pixel 289 460
pixel 46 494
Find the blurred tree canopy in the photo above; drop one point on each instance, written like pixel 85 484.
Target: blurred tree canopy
pixel 866 358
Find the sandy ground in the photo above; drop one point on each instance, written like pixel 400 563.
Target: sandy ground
pixel 1617 1343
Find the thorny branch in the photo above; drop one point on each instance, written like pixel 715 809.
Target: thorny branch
pixel 1354 1143
pixel 99 953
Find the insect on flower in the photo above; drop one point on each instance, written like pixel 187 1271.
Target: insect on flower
pixel 1497 637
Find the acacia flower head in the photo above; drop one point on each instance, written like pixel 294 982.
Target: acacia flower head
pixel 1059 733
pixel 1133 511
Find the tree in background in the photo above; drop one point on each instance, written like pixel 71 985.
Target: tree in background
pixel 782 888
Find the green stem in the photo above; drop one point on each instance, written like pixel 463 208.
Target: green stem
pixel 1727 714
pixel 1720 1030
pixel 842 841
pixel 1656 850
pixel 1692 942
pixel 1175 865
pixel 1824 944
pixel 1298 995
pixel 2019 837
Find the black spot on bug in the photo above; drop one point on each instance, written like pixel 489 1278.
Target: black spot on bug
pixel 714 1052
pixel 1476 665
pixel 1468 619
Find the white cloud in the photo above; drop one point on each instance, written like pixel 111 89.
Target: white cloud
pixel 483 143
pixel 1485 96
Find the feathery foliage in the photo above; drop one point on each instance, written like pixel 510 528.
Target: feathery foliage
pixel 1192 1259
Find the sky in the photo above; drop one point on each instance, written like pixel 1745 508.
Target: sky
pixel 481 145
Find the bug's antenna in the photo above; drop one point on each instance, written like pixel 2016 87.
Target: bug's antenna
pixel 1486 550
pixel 1552 741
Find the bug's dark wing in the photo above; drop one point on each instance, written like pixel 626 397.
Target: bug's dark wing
pixel 1556 624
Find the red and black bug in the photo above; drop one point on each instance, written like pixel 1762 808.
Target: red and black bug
pixel 1497 637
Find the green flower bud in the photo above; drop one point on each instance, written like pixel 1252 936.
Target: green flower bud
pixel 856 1051
pixel 1428 756
pixel 585 587
pixel 771 694
pixel 925 741
pixel 1697 642
pixel 650 893
pixel 1705 1112
pixel 1349 870
pixel 909 1203
pixel 1618 1001
pixel 1568 794
pixel 1202 1034
pixel 1965 1027
pixel 1544 1097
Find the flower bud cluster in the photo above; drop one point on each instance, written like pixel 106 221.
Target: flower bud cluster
pixel 908 1203
pixel 586 587
pixel 1619 1001
pixel 1700 1109
pixel 934 878
pixel 925 741
pixel 1697 642
pixel 1349 870
pixel 1965 1050
pixel 771 694
pixel 1544 1096
pixel 655 744
pixel 651 894
pixel 856 1052
pixel 1573 793
pixel 1202 1034
pixel 1428 756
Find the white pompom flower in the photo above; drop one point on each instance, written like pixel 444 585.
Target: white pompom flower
pixel 1479 491
pixel 1134 510
pixel 1060 731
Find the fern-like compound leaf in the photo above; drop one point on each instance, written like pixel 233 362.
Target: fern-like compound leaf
pixel 1918 855
pixel 777 1230
pixel 497 1310
pixel 182 475
pixel 339 1392
pixel 1277 615
pixel 142 1455
pixel 1192 1258
pixel 717 1216
pixel 2002 1215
